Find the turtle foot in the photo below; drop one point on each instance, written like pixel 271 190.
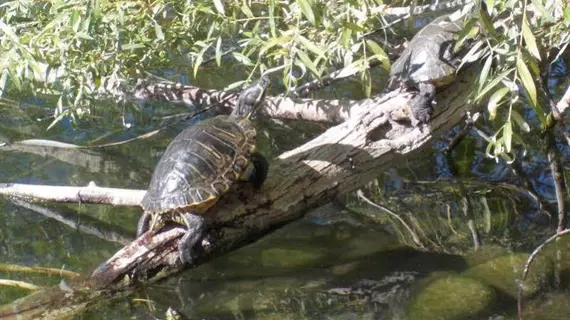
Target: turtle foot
pixel 422 109
pixel 190 240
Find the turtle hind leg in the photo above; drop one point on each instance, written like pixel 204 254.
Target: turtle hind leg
pixel 143 224
pixel 260 169
pixel 421 104
pixel 194 233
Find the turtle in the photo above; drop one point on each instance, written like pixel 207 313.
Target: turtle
pixel 429 62
pixel 199 165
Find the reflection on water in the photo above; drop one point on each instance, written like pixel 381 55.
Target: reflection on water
pixel 346 260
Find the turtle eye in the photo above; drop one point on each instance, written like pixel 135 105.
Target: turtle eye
pixel 238 169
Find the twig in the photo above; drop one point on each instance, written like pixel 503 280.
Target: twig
pixel 527 268
pixel 415 237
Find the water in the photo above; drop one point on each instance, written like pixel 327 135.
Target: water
pixel 346 260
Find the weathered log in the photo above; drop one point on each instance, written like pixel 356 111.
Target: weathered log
pixel 343 158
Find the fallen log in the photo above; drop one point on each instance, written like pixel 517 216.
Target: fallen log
pixel 343 158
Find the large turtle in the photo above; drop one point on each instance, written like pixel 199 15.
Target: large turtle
pixel 429 61
pixel 199 165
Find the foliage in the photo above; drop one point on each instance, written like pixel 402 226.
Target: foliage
pixel 517 52
pixel 68 48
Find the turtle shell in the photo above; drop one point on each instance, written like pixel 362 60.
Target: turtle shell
pixel 430 55
pixel 199 165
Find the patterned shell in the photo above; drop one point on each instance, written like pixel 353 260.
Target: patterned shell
pixel 199 165
pixel 429 55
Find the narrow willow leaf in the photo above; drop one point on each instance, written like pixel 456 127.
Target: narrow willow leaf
pixel 307 62
pixel 75 21
pixel 220 7
pixel 219 51
pixel 158 31
pixel 492 84
pixel 307 10
pixel 508 135
pixel 9 32
pixel 132 46
pixel 3 80
pixel 246 10
pixel 529 40
pixel 242 59
pixel 311 46
pixel 377 50
pixel 485 72
pixel 273 42
pixel 199 59
pixel 523 125
pixel 366 82
pixel 353 26
pixel 527 81
pixel 495 101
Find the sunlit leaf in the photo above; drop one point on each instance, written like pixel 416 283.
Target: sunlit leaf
pixel 307 62
pixel 366 81
pixel 527 81
pixel 307 10
pixel 242 59
pixel 494 101
pixel 376 49
pixel 158 31
pixel 311 46
pixel 246 10
pixel 9 32
pixel 220 7
pixel 219 51
pixel 275 41
pixel 530 41
pixel 492 84
pixel 523 125
pixel 508 135
pixel 485 72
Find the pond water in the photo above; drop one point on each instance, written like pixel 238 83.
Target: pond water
pixel 421 257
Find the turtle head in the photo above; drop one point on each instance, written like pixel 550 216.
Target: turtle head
pixel 251 97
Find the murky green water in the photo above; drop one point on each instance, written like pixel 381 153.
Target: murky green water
pixel 339 262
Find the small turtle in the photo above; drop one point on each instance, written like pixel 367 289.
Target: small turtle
pixel 428 62
pixel 201 164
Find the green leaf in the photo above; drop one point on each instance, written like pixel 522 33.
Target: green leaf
pixel 9 32
pixel 220 7
pixel 242 59
pixel 485 72
pixel 508 135
pixel 132 46
pixel 529 40
pixel 366 80
pixel 495 101
pixel 377 50
pixel 523 125
pixel 273 42
pixel 309 45
pixel 527 81
pixel 219 51
pixel 307 62
pixel 307 10
pixel 199 59
pixel 246 10
pixel 158 31
pixel 492 84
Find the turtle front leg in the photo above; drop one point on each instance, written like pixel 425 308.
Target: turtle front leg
pixel 421 104
pixel 143 224
pixel 193 235
pixel 260 169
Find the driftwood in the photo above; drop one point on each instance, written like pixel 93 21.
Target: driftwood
pixel 374 136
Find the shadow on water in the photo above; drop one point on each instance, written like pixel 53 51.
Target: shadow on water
pixel 345 260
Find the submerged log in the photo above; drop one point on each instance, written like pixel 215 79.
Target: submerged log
pixel 375 136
